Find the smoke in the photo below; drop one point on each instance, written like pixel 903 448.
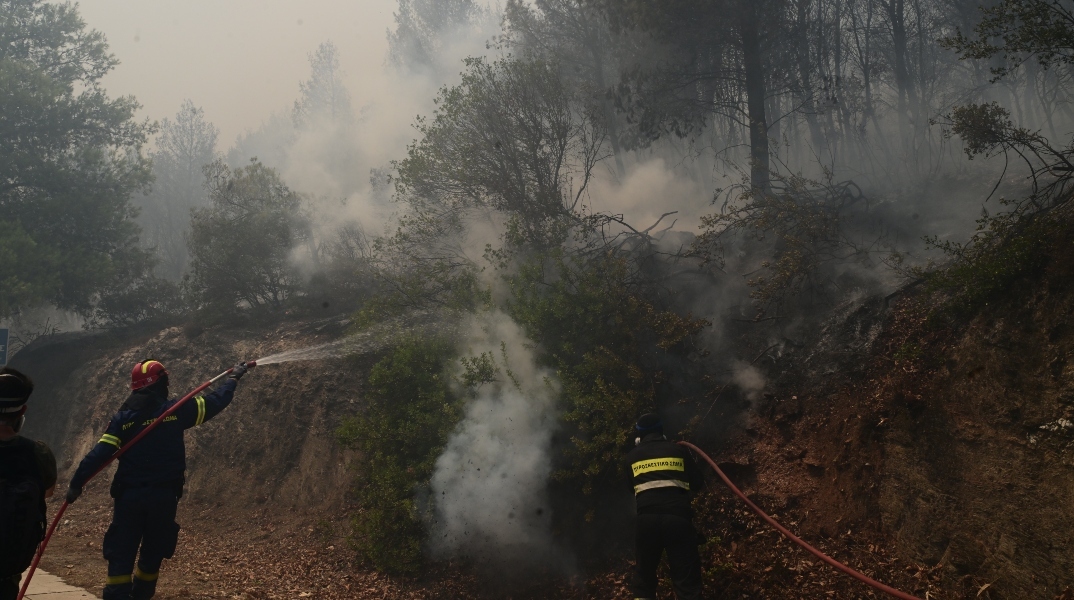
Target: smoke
pixel 650 189
pixel 342 162
pixel 489 488
pixel 42 322
pixel 748 379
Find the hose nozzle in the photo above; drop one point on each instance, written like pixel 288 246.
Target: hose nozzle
pixel 250 364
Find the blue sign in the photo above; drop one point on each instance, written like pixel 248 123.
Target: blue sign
pixel 3 347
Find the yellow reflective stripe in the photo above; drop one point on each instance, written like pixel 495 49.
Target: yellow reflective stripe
pixel 142 575
pixel 118 579
pixel 111 439
pixel 145 365
pixel 200 401
pixel 661 483
pixel 658 464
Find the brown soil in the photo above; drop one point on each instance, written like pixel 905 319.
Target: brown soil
pixel 266 509
pixel 938 461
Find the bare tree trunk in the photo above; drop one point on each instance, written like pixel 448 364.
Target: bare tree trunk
pixel 923 76
pixel 805 82
pixel 596 49
pixel 846 126
pixel 755 101
pixel 896 10
pixel 863 42
pixel 1032 101
pixel 1047 105
pixel 774 132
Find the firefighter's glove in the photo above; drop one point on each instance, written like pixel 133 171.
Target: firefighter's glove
pixel 73 493
pixel 238 371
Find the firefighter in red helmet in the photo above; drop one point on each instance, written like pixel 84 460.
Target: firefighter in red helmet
pixel 149 480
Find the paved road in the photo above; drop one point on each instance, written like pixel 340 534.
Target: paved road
pixel 46 586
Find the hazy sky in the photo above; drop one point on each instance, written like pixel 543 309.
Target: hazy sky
pixel 240 60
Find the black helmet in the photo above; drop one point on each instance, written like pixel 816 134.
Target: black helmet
pixel 15 390
pixel 649 423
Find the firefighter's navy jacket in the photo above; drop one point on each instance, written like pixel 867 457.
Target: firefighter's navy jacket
pixel 664 476
pixel 160 457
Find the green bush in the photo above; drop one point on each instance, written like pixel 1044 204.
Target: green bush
pixel 410 414
pixel 612 347
pixel 1009 248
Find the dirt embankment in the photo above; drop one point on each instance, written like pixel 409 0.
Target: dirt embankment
pixel 979 465
pixel 265 478
pixel 939 461
pixel 267 504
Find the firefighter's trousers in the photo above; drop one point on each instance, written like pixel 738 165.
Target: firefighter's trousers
pixel 143 528
pixel 656 533
pixel 9 587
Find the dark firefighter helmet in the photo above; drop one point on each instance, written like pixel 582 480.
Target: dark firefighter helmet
pixel 15 390
pixel 649 423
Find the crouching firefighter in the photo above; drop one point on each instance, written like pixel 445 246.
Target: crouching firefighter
pixel 149 480
pixel 664 475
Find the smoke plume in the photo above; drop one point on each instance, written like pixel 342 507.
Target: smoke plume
pixel 748 379
pixel 490 498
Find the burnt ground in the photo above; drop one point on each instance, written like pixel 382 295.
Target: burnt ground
pixel 937 457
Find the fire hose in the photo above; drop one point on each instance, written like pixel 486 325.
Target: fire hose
pixel 797 540
pixel 127 446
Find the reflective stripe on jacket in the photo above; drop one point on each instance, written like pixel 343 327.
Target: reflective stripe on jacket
pixel 161 456
pixel 663 475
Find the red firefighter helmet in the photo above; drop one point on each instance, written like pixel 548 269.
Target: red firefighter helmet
pixel 146 373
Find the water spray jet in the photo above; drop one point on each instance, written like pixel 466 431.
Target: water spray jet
pixel 368 340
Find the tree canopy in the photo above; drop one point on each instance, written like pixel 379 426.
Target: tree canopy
pixel 424 27
pixel 70 158
pixel 1015 30
pixel 511 137
pixel 240 245
pixel 323 95
pixel 185 145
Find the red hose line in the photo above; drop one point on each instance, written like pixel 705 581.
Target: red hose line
pixel 142 434
pixel 797 540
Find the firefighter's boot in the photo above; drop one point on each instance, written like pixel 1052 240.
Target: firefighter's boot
pixel 145 585
pixel 118 588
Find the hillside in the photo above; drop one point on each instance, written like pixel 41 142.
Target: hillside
pixel 919 447
pixel 263 478
pixel 936 459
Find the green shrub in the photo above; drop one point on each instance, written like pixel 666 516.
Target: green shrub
pixel 612 347
pixel 1008 248
pixel 410 414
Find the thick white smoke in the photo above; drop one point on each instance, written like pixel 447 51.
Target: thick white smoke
pixel 341 163
pixel 490 497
